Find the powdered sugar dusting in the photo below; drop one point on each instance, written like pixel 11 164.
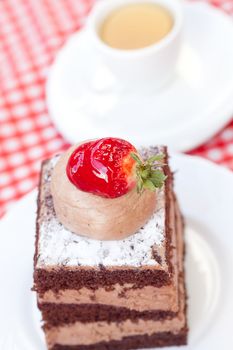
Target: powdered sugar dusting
pixel 59 246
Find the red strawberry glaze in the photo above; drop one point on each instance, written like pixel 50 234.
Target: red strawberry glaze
pixel 103 167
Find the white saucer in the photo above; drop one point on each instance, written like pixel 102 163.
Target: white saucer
pixel 86 101
pixel 205 193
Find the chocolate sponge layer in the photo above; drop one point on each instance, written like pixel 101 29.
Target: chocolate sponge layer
pixel 61 314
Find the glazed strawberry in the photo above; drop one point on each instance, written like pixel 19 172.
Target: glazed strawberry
pixel 110 167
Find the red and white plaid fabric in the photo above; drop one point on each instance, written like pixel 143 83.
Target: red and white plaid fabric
pixel 31 33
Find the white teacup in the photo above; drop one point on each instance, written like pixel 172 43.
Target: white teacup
pixel 151 65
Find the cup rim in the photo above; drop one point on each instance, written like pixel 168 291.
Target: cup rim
pixel 102 9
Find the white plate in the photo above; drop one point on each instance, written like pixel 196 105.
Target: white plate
pixel 85 100
pixel 205 193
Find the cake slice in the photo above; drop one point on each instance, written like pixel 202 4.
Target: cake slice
pixel 119 294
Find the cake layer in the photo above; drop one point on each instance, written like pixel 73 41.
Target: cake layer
pixel 56 278
pixel 61 314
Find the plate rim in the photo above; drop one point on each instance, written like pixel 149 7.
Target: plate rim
pixel 181 158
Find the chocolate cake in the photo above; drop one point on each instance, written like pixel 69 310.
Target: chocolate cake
pixel 115 295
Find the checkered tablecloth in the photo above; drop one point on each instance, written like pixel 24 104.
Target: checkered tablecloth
pixel 31 33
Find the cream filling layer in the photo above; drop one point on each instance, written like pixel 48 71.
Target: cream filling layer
pixel 146 298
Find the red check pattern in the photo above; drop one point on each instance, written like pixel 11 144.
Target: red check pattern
pixel 31 33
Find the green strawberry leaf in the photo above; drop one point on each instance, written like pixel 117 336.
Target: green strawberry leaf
pixel 145 173
pixel 158 178
pixel 136 158
pixel 149 185
pixel 139 186
pixel 149 173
